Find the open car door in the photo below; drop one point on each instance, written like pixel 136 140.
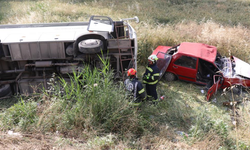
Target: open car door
pixel 100 23
pixel 217 82
pixel 163 62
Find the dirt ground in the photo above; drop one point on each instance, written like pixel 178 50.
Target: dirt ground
pixel 17 141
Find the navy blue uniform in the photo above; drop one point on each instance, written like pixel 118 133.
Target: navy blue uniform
pixel 135 89
pixel 150 78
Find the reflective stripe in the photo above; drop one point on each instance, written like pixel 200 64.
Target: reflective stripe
pixel 152 83
pixel 150 69
pixel 141 91
pixel 135 104
pixel 156 74
pixel 153 76
pixel 155 100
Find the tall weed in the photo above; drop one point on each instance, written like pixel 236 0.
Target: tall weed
pixel 89 101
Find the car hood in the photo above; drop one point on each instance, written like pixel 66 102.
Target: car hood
pixel 241 68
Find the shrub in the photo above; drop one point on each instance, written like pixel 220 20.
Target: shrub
pixel 21 115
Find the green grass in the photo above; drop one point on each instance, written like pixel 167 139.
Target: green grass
pixel 98 107
pixel 225 12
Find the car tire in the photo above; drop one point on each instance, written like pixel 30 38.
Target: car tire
pixel 5 90
pixel 168 76
pixel 237 89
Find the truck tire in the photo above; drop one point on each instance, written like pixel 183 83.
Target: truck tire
pixel 169 76
pixel 5 90
pixel 90 44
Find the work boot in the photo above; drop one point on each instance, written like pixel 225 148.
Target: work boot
pixel 150 98
pixel 155 102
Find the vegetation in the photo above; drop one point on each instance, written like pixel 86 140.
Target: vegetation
pixel 94 109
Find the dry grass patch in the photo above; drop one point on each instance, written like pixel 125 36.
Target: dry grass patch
pixel 52 11
pixel 241 133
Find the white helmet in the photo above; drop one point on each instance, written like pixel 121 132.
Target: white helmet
pixel 153 58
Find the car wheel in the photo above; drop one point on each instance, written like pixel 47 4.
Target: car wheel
pixel 237 89
pixel 169 76
pixel 5 90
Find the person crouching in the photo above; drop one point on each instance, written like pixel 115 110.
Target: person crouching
pixel 135 88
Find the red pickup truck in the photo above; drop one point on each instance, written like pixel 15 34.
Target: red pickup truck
pixel 202 64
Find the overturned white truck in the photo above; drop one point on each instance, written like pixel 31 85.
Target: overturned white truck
pixel 31 53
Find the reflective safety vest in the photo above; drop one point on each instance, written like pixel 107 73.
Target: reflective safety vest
pixel 151 75
pixel 135 88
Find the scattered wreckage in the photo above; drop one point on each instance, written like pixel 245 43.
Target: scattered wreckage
pixel 31 53
pixel 202 64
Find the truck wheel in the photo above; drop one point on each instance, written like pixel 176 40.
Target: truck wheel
pixel 90 46
pixel 5 90
pixel 169 76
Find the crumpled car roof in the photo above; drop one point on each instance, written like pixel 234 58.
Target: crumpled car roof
pixel 199 50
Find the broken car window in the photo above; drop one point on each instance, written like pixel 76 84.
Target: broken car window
pixel 186 61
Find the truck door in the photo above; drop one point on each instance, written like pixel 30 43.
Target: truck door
pixel 217 82
pixel 100 23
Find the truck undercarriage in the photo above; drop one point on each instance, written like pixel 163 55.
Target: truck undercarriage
pixel 28 60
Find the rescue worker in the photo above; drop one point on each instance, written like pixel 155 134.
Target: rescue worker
pixel 135 88
pixel 150 78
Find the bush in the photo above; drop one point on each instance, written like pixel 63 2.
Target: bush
pixel 22 115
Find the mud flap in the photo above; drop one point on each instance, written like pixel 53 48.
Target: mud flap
pixel 217 82
pixel 163 62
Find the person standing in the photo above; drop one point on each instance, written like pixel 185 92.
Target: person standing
pixel 135 88
pixel 150 78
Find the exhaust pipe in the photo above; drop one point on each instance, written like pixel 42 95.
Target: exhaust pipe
pixel 135 18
